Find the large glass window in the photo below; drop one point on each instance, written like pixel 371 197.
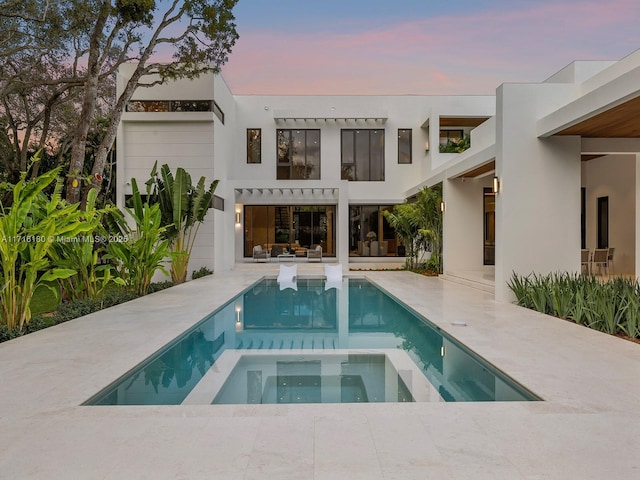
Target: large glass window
pixel 169 106
pixel 294 227
pixel 254 145
pixel 404 145
pixel 362 155
pixel 298 154
pixel 370 234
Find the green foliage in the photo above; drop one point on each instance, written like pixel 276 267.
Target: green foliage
pixel 612 307
pixel 83 254
pixel 184 207
pixel 456 146
pixel 28 230
pixel 76 308
pixel 201 272
pixel 136 10
pixel 142 252
pixel 419 226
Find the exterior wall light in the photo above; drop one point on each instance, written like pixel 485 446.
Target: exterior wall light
pixel 442 206
pixel 496 184
pixel 426 146
pixel 238 218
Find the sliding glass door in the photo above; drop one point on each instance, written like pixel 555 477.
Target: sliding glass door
pixel 289 226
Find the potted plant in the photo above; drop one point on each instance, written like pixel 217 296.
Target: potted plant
pixel 371 236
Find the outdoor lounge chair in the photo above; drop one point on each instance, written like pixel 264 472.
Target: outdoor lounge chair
pixel 287 273
pixel 259 253
pixel 334 276
pixel 314 253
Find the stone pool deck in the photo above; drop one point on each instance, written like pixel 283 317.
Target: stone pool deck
pixel 588 427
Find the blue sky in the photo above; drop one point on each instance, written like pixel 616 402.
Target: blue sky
pixel 420 46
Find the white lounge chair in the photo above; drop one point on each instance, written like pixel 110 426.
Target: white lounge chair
pixel 287 273
pixel 334 276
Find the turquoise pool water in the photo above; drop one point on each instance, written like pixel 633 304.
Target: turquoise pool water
pixel 304 328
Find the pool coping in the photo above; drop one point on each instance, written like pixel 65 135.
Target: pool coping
pixel 585 428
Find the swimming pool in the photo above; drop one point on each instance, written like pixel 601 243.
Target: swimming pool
pixel 357 339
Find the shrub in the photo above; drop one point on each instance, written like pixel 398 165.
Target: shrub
pixel 612 307
pixel 201 272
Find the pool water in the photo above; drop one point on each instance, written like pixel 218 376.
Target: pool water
pixel 315 326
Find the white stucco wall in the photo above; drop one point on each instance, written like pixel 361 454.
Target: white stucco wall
pixel 613 176
pixel 463 224
pixel 538 205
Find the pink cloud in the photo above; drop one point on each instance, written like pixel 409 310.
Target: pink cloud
pixel 445 55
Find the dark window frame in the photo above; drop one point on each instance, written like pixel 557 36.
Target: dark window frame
pixel 289 163
pixel 168 106
pixel 353 164
pixel 410 145
pixel 217 111
pixel 449 137
pixel 258 139
pixel 603 222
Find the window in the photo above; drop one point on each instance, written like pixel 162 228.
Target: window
pixel 603 222
pixel 362 155
pixel 454 141
pixel 218 112
pixel 489 209
pixel 295 227
pixel 254 145
pixel 450 136
pixel 298 154
pixel 169 106
pixel 370 234
pixel 404 145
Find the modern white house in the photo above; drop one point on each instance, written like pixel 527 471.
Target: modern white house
pixel 552 169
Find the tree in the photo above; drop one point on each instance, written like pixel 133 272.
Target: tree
pixel 201 33
pixel 183 208
pixel 53 54
pixel 41 78
pixel 419 225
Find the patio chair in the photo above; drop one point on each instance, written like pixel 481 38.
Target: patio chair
pixel 276 250
pixel 259 253
pixel 600 260
pixel 314 253
pixel 334 276
pixel 610 260
pixel 585 260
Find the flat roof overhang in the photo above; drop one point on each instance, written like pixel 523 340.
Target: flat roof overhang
pixel 611 110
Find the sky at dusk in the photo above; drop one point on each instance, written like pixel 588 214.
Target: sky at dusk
pixel 431 47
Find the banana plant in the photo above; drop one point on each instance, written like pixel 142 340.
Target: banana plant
pixel 28 230
pixel 143 251
pixel 83 254
pixel 184 207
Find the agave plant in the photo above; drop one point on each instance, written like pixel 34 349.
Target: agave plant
pixel 184 207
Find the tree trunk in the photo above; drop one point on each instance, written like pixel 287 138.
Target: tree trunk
pixel 76 166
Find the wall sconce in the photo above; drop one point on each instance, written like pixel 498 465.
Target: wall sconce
pixel 238 310
pixel 496 184
pixel 238 218
pixel 426 146
pixel 442 206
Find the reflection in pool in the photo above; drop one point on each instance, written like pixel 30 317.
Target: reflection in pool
pixel 360 316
